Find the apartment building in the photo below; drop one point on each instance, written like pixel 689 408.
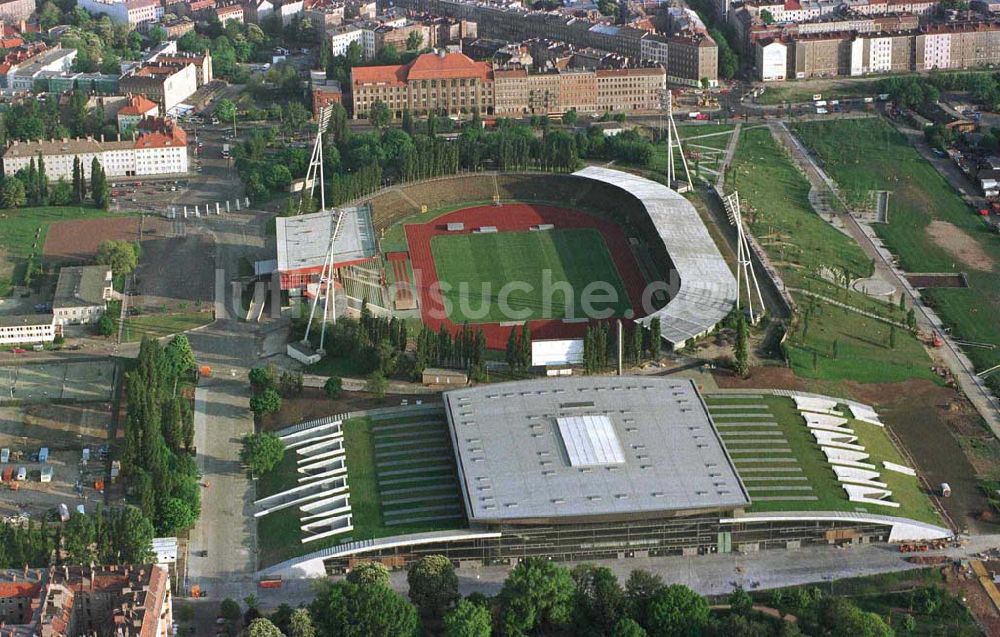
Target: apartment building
pixel 166 84
pixel 442 83
pixel 519 92
pixel 693 59
pixel 324 13
pixel 14 11
pixel 342 36
pixel 950 46
pixel 771 61
pixel 126 601
pixel 230 12
pixel 22 66
pixel 130 12
pixel 630 90
pixel 160 149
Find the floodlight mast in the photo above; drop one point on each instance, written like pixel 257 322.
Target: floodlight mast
pixel 744 265
pixel 673 141
pixel 326 285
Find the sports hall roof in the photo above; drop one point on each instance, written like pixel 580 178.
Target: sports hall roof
pixel 582 447
pixel 303 241
pixel 707 288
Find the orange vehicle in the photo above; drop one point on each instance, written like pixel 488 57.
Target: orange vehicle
pixel 8 474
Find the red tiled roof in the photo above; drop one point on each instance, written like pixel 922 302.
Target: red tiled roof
pixel 19 589
pixel 428 66
pixel 11 42
pixel 138 105
pixel 158 132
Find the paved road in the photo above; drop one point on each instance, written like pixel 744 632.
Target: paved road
pixel 226 528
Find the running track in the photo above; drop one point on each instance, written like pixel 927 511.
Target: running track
pixel 514 218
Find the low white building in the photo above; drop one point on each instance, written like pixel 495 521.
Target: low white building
pixel 288 10
pixel 26 329
pixel 82 294
pixel 156 152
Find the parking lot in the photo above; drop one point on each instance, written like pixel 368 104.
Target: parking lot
pixel 65 430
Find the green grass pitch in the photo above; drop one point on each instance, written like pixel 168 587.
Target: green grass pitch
pixel 474 268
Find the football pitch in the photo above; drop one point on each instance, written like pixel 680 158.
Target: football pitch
pixel 508 276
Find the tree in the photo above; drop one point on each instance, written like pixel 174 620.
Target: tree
pixel 766 16
pixel 414 40
pixel 537 594
pixel 262 627
pixel 570 117
pixel 600 601
pixel 99 188
pixel 379 115
pixel 740 602
pixel 376 384
pixel 133 536
pixel 892 337
pixel 333 386
pixel 230 609
pixel 627 627
pixel 677 611
pixel 262 451
pixel 262 378
pixel 120 255
pixel 105 326
pixel 741 350
pixel 640 589
pixel 12 194
pixel 468 620
pixel 300 624
pixel 225 110
pixel 266 402
pixel 348 610
pixel 180 355
pixel 433 585
pixel 176 516
pixel 369 574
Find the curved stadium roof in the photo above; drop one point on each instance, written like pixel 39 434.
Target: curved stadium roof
pixel 707 288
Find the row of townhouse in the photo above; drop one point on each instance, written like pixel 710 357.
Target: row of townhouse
pixel 940 46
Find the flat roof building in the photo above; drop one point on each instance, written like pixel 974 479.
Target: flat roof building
pixel 555 451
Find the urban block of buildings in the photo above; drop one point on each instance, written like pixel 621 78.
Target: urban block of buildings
pixel 453 83
pixel 122 601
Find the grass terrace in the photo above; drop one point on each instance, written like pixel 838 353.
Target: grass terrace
pixel 402 479
pixel 930 229
pixel 809 253
pixel 784 469
pixel 159 325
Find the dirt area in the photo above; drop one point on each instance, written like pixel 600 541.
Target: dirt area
pixel 769 377
pixel 176 272
pixel 960 245
pixel 66 430
pixel 314 404
pixel 78 240
pixel 962 581
pixel 921 281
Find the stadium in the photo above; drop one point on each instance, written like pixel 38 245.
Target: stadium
pixel 447 250
pixel 585 468
pixel 571 468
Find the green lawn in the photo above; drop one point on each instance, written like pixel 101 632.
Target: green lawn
pixel 830 495
pixel 160 325
pixel 283 476
pixel 870 154
pixel 774 195
pixel 23 232
pixel 863 352
pixel 795 93
pixel 476 267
